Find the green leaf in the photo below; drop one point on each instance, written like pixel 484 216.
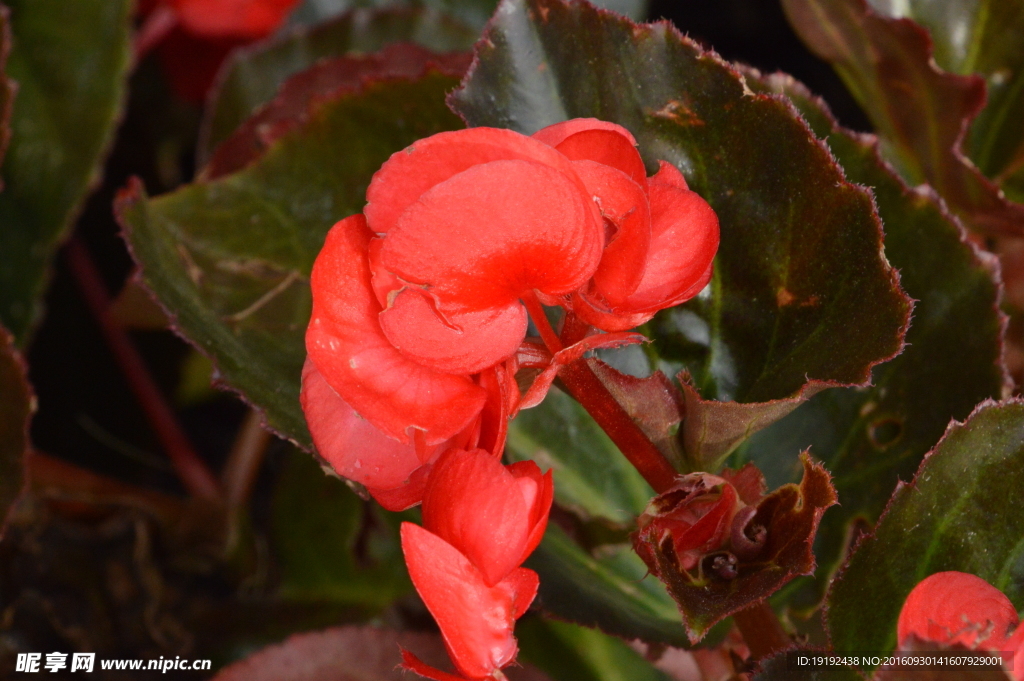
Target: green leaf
pixel 16 406
pixel 871 437
pixel 778 669
pixel 608 592
pixel 591 477
pixel 920 111
pixel 251 76
pixel 800 293
pixel 980 37
pixel 568 652
pixel 71 62
pixel 317 522
pixel 962 512
pixel 231 257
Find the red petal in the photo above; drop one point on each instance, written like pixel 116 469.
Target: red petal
pixel 250 19
pixel 708 533
pixel 350 443
pixel 523 584
pixel 607 320
pixel 624 204
pixel 415 664
pixel 476 620
pixel 502 403
pixel 608 148
pixel 956 607
pixel 487 235
pixel 541 506
pixel 467 344
pixel 477 506
pixel 684 240
pixel 668 174
pixel 409 173
pixel 408 495
pixel 557 133
pixel 349 349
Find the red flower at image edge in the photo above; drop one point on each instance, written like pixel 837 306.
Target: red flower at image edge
pixel 957 608
pixel 195 36
pixel 417 313
pixel 480 522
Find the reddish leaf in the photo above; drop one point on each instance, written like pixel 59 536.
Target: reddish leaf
pixel 920 111
pixel 300 97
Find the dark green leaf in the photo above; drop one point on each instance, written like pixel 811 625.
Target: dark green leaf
pixel 801 292
pixel 252 76
pixel 871 437
pixel 70 61
pixel 231 257
pixel 568 652
pixel 332 545
pixel 609 592
pixel 16 405
pixel 920 111
pixel 778 669
pixel 7 88
pixel 591 476
pixel 962 512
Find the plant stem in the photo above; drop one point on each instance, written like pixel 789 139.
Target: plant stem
pixel 588 390
pixel 762 631
pixel 190 468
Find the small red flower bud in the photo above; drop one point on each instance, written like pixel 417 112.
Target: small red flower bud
pixel 705 521
pixel 961 609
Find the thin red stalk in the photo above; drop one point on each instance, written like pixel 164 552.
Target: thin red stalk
pixel 588 390
pixel 191 469
pixel 762 631
pixel 245 459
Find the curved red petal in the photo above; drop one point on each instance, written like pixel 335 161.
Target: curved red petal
pixel 556 134
pixel 607 320
pixel 467 344
pixel 484 237
pixel 609 148
pixel 624 204
pixel 410 173
pixel 541 506
pixel 476 620
pixel 957 607
pixel 684 240
pixel 668 174
pixel 251 19
pixel 415 664
pixel 351 444
pixel 405 496
pixel 349 349
pixel 477 506
pixel 523 583
pixel 708 532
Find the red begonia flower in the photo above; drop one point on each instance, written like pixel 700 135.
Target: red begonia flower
pixel 245 19
pixel 663 236
pixel 957 608
pixel 481 520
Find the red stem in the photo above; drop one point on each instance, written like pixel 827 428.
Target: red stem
pixel 762 631
pixel 191 469
pixel 588 390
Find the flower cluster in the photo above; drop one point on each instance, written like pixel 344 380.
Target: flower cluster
pixel 419 326
pixel 959 609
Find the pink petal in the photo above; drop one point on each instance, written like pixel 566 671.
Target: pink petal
pixel 624 204
pixel 349 349
pixel 487 235
pixel 957 607
pixel 475 505
pixel 351 444
pixel 476 620
pixel 467 344
pixel 409 173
